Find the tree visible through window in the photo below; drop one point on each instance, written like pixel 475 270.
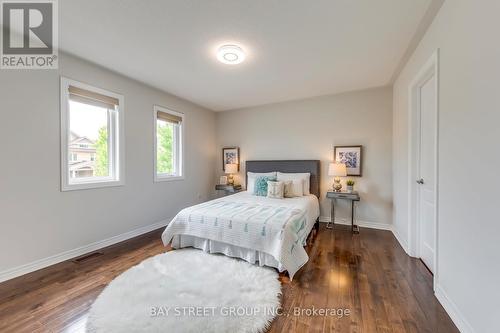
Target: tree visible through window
pixel 165 149
pixel 168 143
pixel 101 153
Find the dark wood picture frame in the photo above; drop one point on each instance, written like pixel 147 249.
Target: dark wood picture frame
pixel 349 170
pixel 224 156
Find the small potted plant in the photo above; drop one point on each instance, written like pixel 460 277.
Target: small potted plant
pixel 350 185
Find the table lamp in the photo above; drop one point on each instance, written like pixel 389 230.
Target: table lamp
pixel 230 169
pixel 337 170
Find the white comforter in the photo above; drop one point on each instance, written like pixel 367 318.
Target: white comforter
pixel 278 227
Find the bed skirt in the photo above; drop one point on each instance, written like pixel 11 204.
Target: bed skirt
pixel 211 246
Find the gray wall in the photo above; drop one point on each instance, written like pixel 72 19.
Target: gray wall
pixel 37 219
pixel 308 129
pixel 466 32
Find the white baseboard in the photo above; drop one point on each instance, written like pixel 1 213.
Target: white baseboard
pixel 448 305
pixel 372 225
pixel 55 259
pixel 400 240
pixel 451 308
pixel 361 223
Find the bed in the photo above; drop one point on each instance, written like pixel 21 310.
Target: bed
pixel 261 230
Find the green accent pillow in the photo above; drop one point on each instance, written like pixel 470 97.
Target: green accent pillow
pixel 260 188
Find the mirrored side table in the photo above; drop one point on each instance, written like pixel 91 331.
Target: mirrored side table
pixel 228 189
pixel 352 197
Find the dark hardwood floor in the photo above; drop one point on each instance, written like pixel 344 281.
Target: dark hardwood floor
pixel 368 274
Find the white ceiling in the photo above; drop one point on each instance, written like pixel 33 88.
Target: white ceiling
pixel 295 48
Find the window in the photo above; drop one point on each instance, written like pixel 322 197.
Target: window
pixel 91 137
pixel 168 144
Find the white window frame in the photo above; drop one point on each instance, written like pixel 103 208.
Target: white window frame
pixel 178 149
pixel 116 141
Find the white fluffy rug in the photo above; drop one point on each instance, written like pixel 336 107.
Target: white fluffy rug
pixel 188 291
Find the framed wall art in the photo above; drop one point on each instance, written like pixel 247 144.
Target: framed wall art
pixel 351 156
pixel 230 155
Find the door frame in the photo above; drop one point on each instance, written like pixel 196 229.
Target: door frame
pixel 428 70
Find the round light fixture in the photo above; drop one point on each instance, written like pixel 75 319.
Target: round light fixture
pixel 230 54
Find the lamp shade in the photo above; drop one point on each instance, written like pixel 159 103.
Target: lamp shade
pixel 337 170
pixel 231 168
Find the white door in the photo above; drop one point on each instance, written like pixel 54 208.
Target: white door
pixel 427 166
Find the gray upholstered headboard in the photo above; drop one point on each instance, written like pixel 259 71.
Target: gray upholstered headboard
pixel 288 166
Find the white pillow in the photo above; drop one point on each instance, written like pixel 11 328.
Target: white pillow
pixel 251 176
pixel 306 177
pixel 275 189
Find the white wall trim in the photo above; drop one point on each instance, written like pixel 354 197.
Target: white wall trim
pixel 452 309
pixel 361 223
pixel 55 259
pixel 400 240
pixel 449 306
pixel 429 69
pixel 372 225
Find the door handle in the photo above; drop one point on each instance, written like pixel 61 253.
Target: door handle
pixel 420 181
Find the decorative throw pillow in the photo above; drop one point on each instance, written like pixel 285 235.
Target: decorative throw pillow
pixel 275 189
pixel 288 189
pixel 260 188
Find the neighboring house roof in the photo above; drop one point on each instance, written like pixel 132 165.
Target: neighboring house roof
pixel 76 141
pixel 73 136
pixel 84 165
pixel 82 139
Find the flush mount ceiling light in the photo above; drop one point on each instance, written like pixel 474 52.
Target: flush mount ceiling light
pixel 230 54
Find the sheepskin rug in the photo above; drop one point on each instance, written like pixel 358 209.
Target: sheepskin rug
pixel 188 291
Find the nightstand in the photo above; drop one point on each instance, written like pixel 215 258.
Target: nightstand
pixel 229 189
pixel 354 196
